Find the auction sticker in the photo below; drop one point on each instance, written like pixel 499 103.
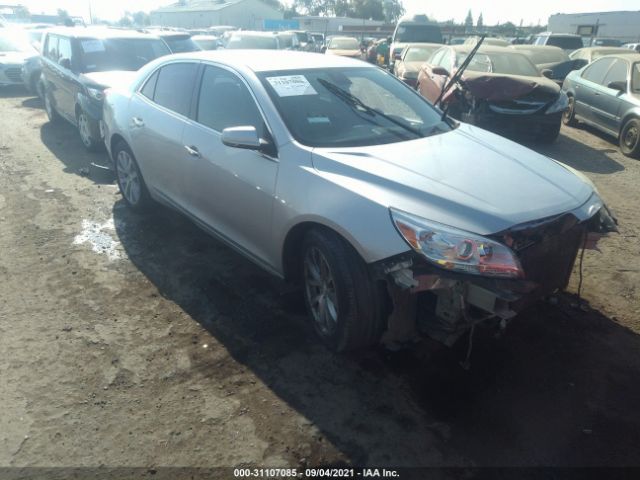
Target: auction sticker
pixel 291 86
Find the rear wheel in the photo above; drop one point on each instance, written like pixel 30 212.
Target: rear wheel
pixel 569 115
pixel 630 138
pixel 344 303
pixel 130 181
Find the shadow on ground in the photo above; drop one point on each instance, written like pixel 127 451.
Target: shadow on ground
pixel 13 91
pixel 586 158
pixel 63 140
pixel 559 389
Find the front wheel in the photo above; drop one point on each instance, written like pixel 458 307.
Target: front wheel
pixel 344 303
pixel 89 132
pixel 569 115
pixel 52 114
pixel 130 181
pixel 630 138
pixel 549 133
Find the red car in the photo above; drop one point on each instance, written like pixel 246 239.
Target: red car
pixel 501 90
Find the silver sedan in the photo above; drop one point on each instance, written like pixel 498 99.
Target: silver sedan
pixel 606 95
pixel 332 173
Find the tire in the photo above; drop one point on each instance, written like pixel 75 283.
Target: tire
pixel 344 304
pixel 549 133
pixel 630 138
pixel 130 182
pixel 89 131
pixel 52 114
pixel 569 115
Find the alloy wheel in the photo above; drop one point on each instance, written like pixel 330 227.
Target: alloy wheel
pixel 128 177
pixel 84 129
pixel 631 137
pixel 320 289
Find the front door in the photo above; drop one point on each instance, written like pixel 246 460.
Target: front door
pixel 230 189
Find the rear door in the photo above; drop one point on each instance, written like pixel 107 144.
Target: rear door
pixel 607 101
pixel 230 189
pixel 68 83
pixel 158 113
pixel 586 87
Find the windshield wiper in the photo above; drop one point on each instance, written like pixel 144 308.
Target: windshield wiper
pixel 355 102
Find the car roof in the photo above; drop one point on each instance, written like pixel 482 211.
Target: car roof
pixel 98 32
pixel 422 44
pixel 549 48
pixel 272 60
pixel 252 33
pixel 484 49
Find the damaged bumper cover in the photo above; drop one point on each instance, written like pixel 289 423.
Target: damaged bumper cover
pixel 546 249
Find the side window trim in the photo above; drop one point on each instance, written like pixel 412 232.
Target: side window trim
pixel 268 129
pixel 189 114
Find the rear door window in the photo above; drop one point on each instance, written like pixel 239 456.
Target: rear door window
pixel 174 87
pixel 597 70
pixel 617 72
pixel 64 50
pixel 149 88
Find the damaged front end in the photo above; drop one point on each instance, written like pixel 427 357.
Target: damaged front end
pixel 453 280
pixel 508 105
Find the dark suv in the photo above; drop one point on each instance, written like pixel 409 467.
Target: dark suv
pixel 78 64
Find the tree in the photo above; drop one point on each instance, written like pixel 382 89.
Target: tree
pixel 141 19
pixel 468 22
pixel 480 22
pixel 393 10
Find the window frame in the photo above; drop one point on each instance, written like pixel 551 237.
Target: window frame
pixel 139 94
pixel 196 99
pixel 626 79
pixel 591 65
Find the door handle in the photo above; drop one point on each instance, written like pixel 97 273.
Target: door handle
pixel 137 122
pixel 193 151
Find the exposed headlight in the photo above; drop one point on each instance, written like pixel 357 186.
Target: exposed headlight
pixel 457 250
pixel 560 105
pixel 96 94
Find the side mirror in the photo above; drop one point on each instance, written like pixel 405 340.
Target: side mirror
pixel 440 71
pixel 241 137
pixel 547 73
pixel 65 63
pixel 620 86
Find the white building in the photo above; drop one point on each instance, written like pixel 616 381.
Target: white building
pixel 344 26
pixel 245 14
pixel 623 26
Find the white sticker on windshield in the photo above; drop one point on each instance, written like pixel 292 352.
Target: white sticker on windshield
pixel 291 86
pixel 90 46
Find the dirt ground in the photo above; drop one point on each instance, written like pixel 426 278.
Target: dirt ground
pixel 130 340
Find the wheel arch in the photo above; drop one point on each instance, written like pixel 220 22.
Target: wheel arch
pixel 291 247
pixel 633 113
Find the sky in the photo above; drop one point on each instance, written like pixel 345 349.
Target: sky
pixel 493 11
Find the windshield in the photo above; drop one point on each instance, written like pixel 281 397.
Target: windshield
pixel 540 57
pixel 14 42
pixel 181 44
pixel 344 44
pixel 253 42
pixel 567 43
pixel 502 63
pixel 349 107
pixel 635 77
pixel 419 54
pixel 103 55
pixel 302 37
pixel 418 33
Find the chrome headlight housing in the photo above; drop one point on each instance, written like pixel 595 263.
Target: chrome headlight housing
pixel 560 105
pixel 456 250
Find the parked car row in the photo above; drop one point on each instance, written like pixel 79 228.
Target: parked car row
pixel 332 174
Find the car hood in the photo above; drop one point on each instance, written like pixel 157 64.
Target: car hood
pixel 496 87
pixel 17 58
pixel 467 178
pixel 113 78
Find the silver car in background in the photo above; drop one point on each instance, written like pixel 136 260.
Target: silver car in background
pixel 332 173
pixel 606 95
